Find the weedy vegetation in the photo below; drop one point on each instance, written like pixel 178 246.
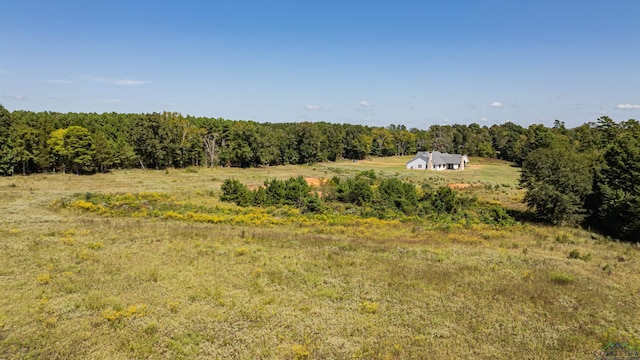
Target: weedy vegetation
pixel 152 264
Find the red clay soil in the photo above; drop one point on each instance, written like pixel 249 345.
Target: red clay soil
pixel 459 186
pixel 315 182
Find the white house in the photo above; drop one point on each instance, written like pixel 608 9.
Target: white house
pixel 436 160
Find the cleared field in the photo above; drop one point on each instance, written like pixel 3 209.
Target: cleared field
pixel 80 285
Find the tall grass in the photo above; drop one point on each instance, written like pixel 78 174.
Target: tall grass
pixel 78 284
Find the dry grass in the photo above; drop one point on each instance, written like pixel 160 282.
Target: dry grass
pixel 77 285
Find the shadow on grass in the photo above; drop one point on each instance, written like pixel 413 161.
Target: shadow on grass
pixel 598 232
pixel 525 216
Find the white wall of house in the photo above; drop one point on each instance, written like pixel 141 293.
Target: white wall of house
pixel 417 164
pixel 420 162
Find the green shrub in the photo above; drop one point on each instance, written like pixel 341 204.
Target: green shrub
pixel 574 254
pixel 312 204
pixel 234 191
pixel 354 191
pixel 398 195
pixel 370 174
pixel 560 278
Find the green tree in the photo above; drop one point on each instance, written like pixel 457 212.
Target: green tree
pixel 242 136
pixel 332 141
pixel 309 142
pixel 25 149
pixel 79 147
pixel 6 151
pixel 443 200
pixel 58 150
pixel 124 154
pixel 382 142
pixel 357 142
pixel 234 191
pixel 296 189
pixel 557 180
pixel 104 155
pixel 535 137
pixel 265 147
pixel 440 138
pixel 275 192
pixel 505 140
pixel 618 188
pixel 155 141
pixel 398 195
pixel 355 191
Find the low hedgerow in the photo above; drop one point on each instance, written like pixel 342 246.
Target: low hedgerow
pixel 385 199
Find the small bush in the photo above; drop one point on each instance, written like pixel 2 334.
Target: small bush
pixel 312 204
pixel 44 279
pixel 561 278
pixel 564 239
pixel 369 307
pixel 574 254
pixel 50 322
pixel 95 245
pixel 367 174
pixel 256 273
pixel 300 352
pixel 133 311
pixel 234 191
pixel 173 306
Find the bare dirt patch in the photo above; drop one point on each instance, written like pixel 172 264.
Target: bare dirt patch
pixel 459 186
pixel 315 182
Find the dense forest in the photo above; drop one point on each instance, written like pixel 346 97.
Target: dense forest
pixel 586 175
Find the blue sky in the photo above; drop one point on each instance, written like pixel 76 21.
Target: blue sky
pixel 416 63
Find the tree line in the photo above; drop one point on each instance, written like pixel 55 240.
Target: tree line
pixel 587 175
pixel 84 143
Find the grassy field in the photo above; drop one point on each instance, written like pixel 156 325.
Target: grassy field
pixel 77 284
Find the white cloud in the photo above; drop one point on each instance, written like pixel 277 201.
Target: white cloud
pixel 628 106
pixel 14 97
pixel 312 107
pixel 117 82
pixel 364 106
pixel 496 104
pixel 58 81
pixel 602 112
pixel 483 119
pixel 169 105
pixel 128 82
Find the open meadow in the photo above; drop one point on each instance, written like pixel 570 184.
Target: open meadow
pixel 78 282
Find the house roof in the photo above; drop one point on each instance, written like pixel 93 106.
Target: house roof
pixel 420 155
pixel 439 158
